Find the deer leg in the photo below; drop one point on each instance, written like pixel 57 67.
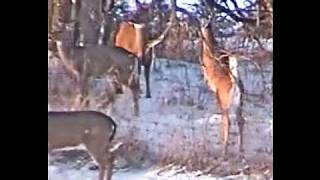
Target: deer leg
pixel 224 126
pixel 78 98
pixel 136 106
pixel 110 100
pixel 241 123
pixel 140 60
pixel 84 102
pixel 147 65
pixel 97 150
pixel 115 81
pixel 110 166
pixel 135 96
pixel 81 99
pixel 134 88
pixel 102 172
pixel 117 86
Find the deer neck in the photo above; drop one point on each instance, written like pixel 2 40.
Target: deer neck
pixel 207 40
pixel 208 53
pixel 212 69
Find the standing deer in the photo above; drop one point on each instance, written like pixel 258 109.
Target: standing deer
pixel 132 37
pixel 97 60
pixel 224 84
pixel 135 37
pixel 92 129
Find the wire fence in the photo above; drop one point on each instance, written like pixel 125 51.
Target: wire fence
pixel 169 136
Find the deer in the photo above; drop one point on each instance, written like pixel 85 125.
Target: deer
pixel 134 36
pixel 97 60
pixel 224 83
pixel 131 37
pixel 92 129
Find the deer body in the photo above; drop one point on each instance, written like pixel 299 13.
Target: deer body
pixel 136 38
pixel 223 83
pixel 73 128
pixel 92 129
pixel 98 60
pixel 90 15
pixel 132 37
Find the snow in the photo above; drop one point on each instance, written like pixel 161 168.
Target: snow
pixel 178 91
pixel 61 173
pixel 181 106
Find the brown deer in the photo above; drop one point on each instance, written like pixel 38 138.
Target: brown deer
pixel 92 129
pixel 135 37
pixel 223 83
pixel 98 60
pixel 131 37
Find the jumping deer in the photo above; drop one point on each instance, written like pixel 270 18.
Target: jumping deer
pixel 135 37
pixel 92 129
pixel 224 83
pixel 98 60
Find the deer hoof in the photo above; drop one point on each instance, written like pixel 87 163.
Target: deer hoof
pixel 94 168
pixel 119 91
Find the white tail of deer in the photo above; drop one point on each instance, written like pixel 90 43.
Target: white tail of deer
pixel 93 130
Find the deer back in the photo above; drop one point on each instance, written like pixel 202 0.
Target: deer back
pixel 131 37
pixel 73 128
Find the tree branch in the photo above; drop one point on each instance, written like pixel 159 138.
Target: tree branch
pixel 229 12
pixel 238 10
pixel 172 20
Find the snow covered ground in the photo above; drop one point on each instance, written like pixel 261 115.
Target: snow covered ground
pixel 182 109
pixel 61 173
